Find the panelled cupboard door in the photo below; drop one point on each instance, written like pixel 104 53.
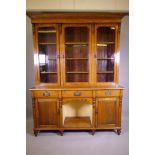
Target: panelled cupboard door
pixel 76 47
pixel 106 53
pixel 47 113
pixel 47 55
pixel 106 111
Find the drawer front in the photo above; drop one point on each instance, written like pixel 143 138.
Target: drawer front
pixel 105 93
pixel 46 94
pixel 77 93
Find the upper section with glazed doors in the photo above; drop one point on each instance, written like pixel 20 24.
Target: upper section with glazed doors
pixel 76 54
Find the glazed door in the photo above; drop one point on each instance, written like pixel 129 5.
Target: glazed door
pixel 76 54
pixel 48 54
pixel 106 111
pixel 106 54
pixel 47 113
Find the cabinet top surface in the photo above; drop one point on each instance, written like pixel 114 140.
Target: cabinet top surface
pixel 75 17
pixel 76 88
pixel 50 13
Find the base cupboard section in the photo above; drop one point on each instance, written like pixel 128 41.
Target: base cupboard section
pixel 65 110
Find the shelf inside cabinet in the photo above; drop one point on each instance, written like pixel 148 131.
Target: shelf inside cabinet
pixel 105 72
pixel 77 72
pixel 77 122
pixel 105 58
pixel 48 72
pixel 47 43
pixel 50 31
pixel 76 43
pixel 76 58
pixel 104 43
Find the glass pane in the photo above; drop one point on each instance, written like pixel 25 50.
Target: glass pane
pixel 105 77
pixel 49 50
pixel 106 34
pixel 77 65
pixel 76 54
pixel 105 54
pixel 77 77
pixel 76 51
pixel 105 65
pixel 47 54
pixel 46 35
pixel 76 34
pixel 46 78
pixel 105 51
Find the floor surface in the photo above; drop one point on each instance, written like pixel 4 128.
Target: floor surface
pixel 78 143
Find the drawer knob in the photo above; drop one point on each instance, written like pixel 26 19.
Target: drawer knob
pixel 77 93
pixel 46 94
pixel 108 92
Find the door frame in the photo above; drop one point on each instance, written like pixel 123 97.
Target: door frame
pixel 62 51
pixel 108 99
pixel 116 57
pixel 36 55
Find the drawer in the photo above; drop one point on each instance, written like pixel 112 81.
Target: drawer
pixel 77 93
pixel 46 93
pixel 103 93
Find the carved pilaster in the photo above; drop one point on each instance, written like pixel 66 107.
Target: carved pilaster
pixel 119 28
pixel 34 112
pixel 94 102
pixel 94 115
pixel 60 28
pixel 33 29
pixel 120 101
pixel 33 103
pixel 93 28
pixel 60 115
pixel 119 112
pixel 60 102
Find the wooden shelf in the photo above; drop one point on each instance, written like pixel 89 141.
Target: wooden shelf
pixel 47 43
pixel 76 58
pixel 77 72
pixel 104 44
pixel 76 43
pixel 105 72
pixel 51 31
pixel 48 72
pixel 77 122
pixel 105 58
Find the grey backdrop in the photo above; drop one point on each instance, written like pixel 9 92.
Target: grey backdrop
pixel 123 71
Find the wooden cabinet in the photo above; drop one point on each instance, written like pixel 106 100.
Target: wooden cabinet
pixel 76 59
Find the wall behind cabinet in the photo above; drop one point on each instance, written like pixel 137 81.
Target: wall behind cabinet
pixel 30 75
pixel 124 64
pixel 78 5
